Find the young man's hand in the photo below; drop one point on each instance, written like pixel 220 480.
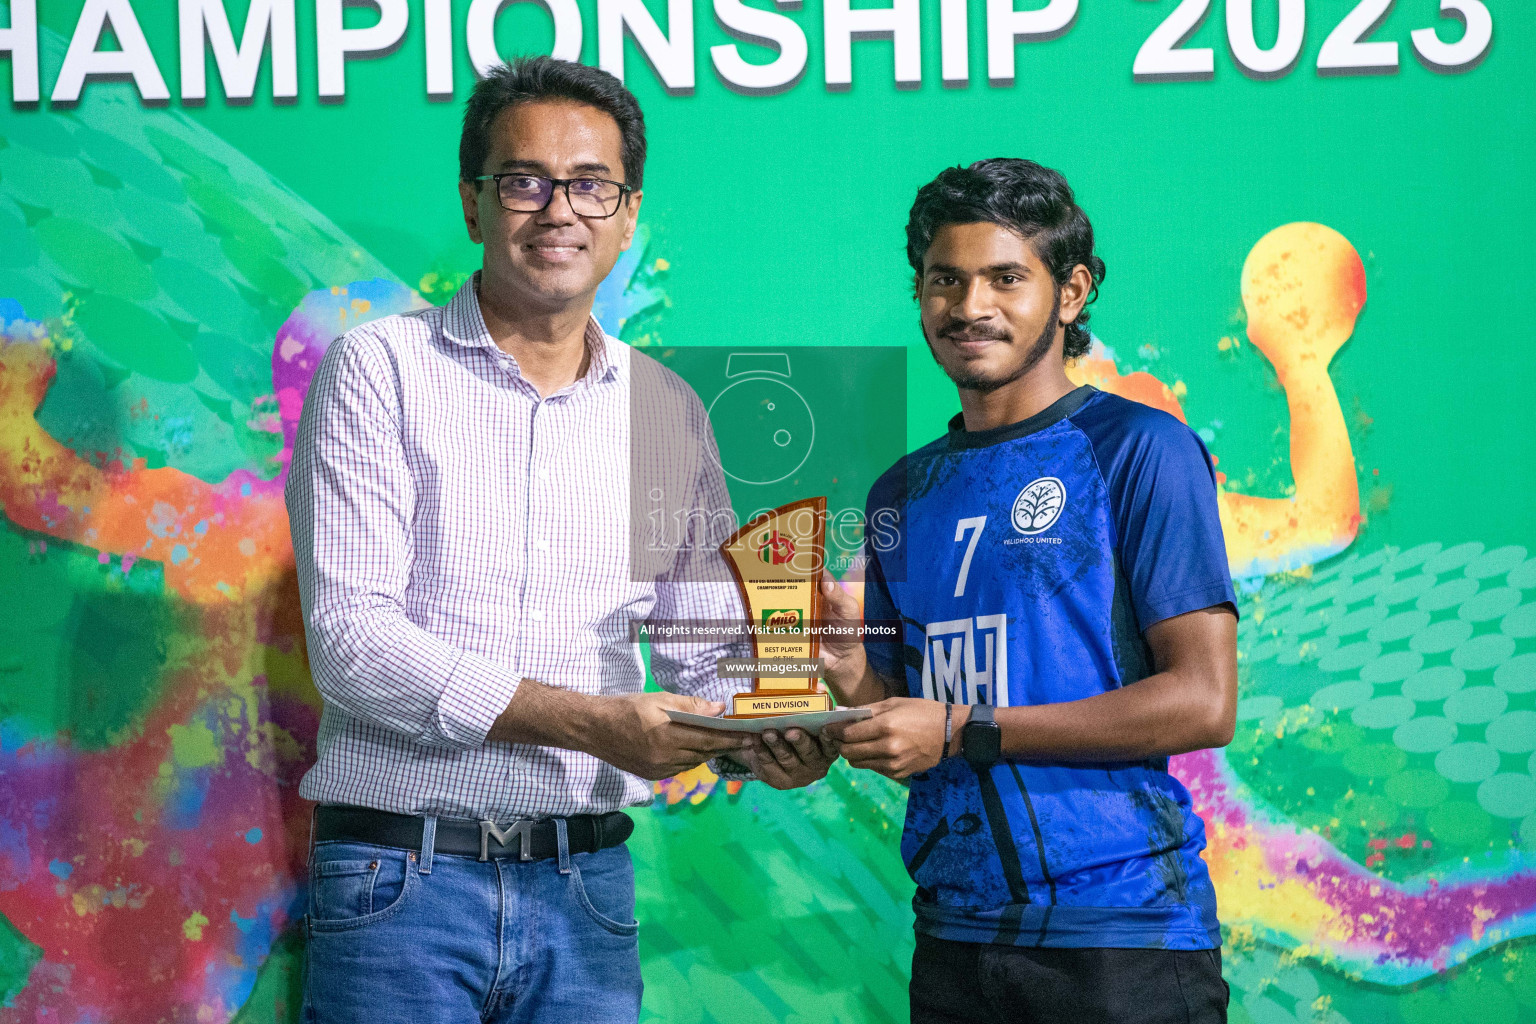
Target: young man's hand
pixel 635 734
pixel 849 675
pixel 798 758
pixel 842 654
pixel 906 735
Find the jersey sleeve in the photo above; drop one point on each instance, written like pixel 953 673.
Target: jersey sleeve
pixel 1163 490
pixel 883 654
pixel 882 550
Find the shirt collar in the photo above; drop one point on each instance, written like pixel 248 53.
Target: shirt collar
pixel 462 322
pixel 1059 410
pixel 605 358
pixel 464 325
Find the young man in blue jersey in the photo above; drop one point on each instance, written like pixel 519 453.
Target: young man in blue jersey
pixel 1068 622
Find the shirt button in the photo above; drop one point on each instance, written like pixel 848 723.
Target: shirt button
pixel 536 614
pixel 542 474
pixel 541 545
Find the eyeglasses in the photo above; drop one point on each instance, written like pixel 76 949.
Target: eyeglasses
pixel 521 192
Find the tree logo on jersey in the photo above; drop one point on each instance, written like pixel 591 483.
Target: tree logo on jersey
pixel 777 549
pixel 1039 505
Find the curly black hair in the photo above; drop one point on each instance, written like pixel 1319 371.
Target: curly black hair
pixel 531 79
pixel 1024 197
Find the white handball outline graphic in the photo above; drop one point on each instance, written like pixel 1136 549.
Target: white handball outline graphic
pixel 763 366
pixel 1045 497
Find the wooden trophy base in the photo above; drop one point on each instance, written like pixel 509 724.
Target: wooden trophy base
pixel 763 703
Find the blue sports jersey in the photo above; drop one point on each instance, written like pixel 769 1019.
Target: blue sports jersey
pixel 1023 564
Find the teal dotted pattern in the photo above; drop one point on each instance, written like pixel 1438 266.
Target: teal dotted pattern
pixel 1275 986
pixel 1394 692
pixel 175 259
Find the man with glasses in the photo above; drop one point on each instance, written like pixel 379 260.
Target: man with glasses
pixel 460 504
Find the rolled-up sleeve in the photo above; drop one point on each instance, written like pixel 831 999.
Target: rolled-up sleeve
pixel 350 498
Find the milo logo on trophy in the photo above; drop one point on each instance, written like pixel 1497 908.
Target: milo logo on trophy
pixel 777 559
pixel 781 619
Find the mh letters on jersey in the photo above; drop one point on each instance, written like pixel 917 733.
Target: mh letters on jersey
pixel 965 661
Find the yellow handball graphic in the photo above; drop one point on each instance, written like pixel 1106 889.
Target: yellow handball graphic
pixel 1303 287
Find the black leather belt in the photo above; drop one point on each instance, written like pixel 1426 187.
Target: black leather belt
pixel 524 838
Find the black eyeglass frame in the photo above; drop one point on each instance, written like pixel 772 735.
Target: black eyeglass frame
pixel 554 185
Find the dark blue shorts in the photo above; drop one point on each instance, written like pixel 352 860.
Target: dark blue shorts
pixel 976 983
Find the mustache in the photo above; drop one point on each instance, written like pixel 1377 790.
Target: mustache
pixel 974 332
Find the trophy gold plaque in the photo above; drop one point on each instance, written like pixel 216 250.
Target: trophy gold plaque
pixel 777 560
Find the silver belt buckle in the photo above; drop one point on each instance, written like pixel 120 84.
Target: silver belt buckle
pixel 522 827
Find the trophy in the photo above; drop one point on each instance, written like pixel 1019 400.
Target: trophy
pixel 777 560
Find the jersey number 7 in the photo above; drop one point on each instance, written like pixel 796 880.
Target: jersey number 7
pixel 975 524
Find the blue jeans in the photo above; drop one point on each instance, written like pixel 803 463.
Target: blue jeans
pixel 417 938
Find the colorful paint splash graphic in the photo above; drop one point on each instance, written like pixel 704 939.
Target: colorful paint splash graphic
pixel 1370 687
pixel 163 304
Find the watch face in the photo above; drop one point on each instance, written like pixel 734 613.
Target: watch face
pixel 982 743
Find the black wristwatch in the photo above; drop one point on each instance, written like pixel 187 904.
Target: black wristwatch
pixel 981 741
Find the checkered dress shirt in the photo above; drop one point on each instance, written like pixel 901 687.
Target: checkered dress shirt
pixel 454 534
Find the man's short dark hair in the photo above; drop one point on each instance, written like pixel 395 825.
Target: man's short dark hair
pixel 1033 201
pixel 531 79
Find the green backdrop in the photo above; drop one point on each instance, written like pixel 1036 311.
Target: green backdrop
pixel 165 263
